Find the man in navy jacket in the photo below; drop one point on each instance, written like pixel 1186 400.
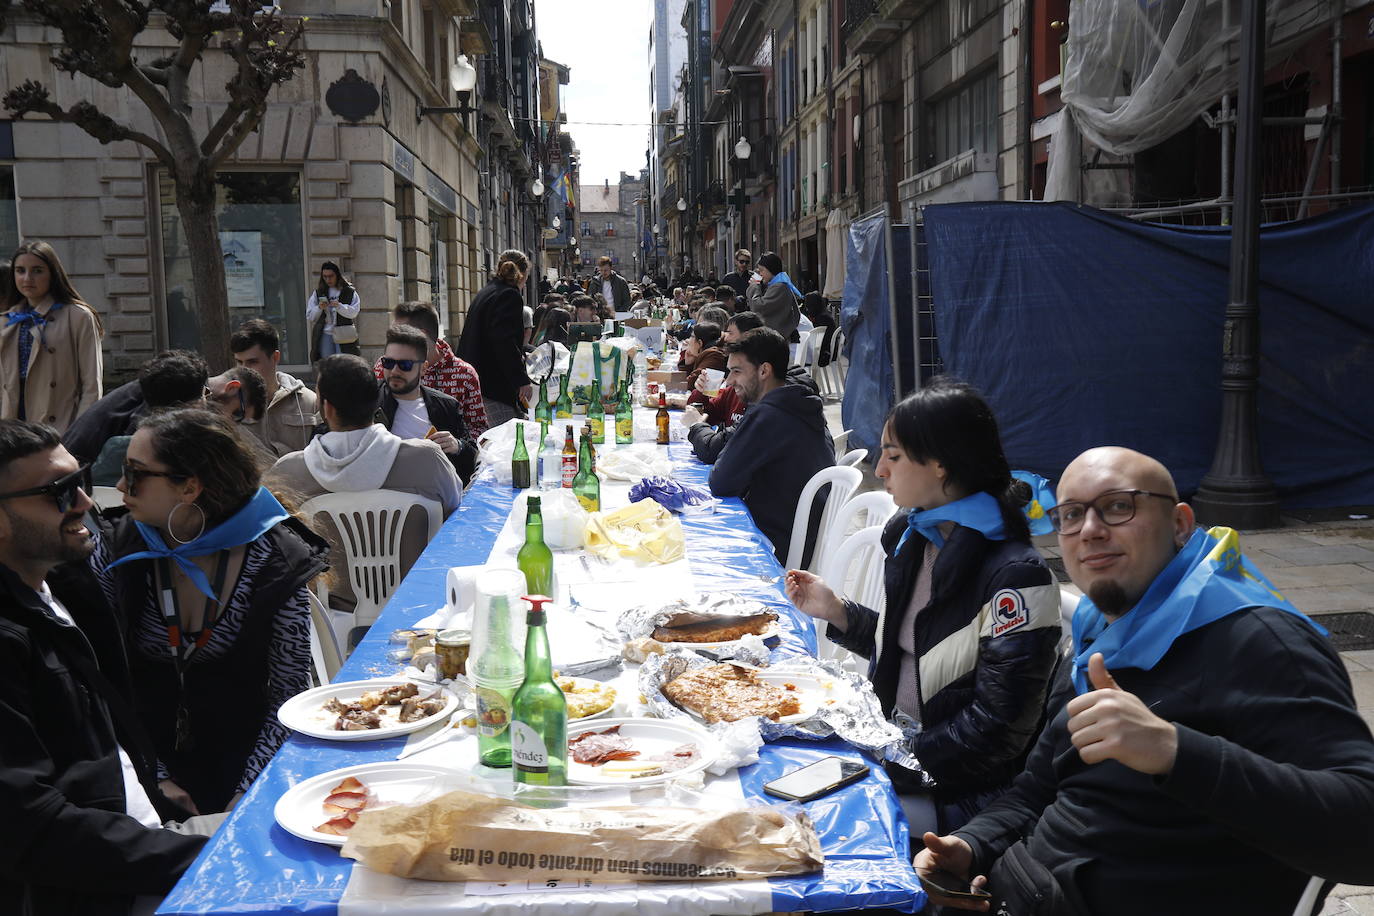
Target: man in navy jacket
pixel 779 444
pixel 1212 759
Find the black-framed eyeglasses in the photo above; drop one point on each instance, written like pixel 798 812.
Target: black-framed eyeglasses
pixel 63 490
pixel 1115 507
pixel 133 476
pixel 405 365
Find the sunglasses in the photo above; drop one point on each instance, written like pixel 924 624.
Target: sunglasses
pixel 63 490
pixel 133 476
pixel 405 365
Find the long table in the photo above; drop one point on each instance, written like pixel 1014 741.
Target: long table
pixel 253 866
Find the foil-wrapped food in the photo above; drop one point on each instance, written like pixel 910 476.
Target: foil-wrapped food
pixel 713 617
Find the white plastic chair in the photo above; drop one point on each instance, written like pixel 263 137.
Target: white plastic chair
pixel 325 655
pixel 862 511
pixel 1307 903
pixel 842 443
pixel 370 526
pixel 838 367
pixel 107 497
pixel 843 482
pixel 812 362
pixel 852 458
pixel 854 571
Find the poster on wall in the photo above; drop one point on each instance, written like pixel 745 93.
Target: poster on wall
pixel 243 268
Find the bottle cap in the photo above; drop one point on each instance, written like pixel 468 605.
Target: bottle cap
pixel 531 502
pixel 537 602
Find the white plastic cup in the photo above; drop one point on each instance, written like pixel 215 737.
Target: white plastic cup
pixel 713 379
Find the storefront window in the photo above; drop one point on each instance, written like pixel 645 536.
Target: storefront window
pixel 438 269
pixel 9 212
pixel 264 259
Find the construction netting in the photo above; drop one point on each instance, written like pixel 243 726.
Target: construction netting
pixel 1137 72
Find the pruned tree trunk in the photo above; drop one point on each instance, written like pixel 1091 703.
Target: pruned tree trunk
pixel 195 198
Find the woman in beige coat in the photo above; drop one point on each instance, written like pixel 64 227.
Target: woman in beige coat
pixel 50 363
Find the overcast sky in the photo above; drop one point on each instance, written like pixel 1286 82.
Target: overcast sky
pixel 605 43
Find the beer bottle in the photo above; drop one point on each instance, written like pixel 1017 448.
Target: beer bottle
pixel 563 409
pixel 569 458
pixel 587 486
pixel 520 461
pixel 661 418
pixel 497 671
pixel 535 559
pixel 624 416
pixel 539 711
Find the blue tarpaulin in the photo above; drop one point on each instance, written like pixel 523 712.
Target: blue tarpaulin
pixel 866 321
pixel 1083 328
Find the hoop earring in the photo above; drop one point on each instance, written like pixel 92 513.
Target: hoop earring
pixel 171 516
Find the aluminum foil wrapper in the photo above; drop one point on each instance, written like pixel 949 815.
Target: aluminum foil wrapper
pixel 643 620
pixel 855 715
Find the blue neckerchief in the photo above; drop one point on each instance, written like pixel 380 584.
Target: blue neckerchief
pixel 1208 579
pixel 31 316
pixel 258 516
pixel 786 281
pixel 979 512
pixel 1042 498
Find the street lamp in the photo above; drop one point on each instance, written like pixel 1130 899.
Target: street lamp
pixel 537 187
pixel 557 223
pixel 743 149
pixel 462 79
pixel 682 204
pixel 573 241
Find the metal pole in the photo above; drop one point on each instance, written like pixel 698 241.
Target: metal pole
pixel 1334 112
pixel 1235 492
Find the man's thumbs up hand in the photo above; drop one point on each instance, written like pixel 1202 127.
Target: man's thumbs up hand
pixel 1109 723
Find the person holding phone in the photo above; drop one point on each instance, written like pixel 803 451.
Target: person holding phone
pixel 331 312
pixel 961 656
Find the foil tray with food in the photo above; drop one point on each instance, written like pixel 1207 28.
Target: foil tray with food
pixel 712 620
pixel 800 697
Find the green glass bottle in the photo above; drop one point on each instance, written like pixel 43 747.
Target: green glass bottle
pixel 595 418
pixel 535 559
pixel 563 409
pixel 539 712
pixel 520 461
pixel 586 485
pixel 624 416
pixel 543 411
pixel 497 672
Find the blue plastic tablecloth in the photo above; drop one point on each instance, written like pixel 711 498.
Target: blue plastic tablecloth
pixel 253 866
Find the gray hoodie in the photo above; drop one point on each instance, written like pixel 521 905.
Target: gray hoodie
pixel 289 419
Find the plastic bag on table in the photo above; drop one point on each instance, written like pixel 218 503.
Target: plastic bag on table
pixel 642 531
pixel 496 445
pixel 678 497
pixel 633 462
pixel 565 521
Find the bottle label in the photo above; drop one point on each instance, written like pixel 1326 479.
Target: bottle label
pixel 625 430
pixel 586 502
pixel 527 749
pixel 493 712
pixel 569 470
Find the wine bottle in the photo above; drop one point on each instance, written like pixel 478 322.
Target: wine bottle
pixel 539 711
pixel 563 409
pixel 543 410
pixel 497 671
pixel 535 559
pixel 661 419
pixel 624 416
pixel 569 458
pixel 520 461
pixel 587 486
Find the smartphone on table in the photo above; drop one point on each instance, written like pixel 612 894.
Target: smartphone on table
pixel 816 779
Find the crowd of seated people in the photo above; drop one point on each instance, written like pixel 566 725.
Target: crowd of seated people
pixel 1193 746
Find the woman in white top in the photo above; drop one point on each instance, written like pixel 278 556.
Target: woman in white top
pixel 330 312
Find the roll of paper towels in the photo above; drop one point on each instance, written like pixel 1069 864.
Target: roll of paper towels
pixel 461 590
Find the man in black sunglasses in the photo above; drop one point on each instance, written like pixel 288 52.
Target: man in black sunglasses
pixel 414 411
pixel 738 279
pixel 1211 758
pixel 78 782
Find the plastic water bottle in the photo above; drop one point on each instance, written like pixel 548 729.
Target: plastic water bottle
pixel 641 375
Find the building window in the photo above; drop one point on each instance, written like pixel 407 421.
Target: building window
pixel 264 259
pixel 963 120
pixel 610 229
pixel 9 212
pixel 586 228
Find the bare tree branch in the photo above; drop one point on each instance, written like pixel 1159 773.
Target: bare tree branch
pixel 32 97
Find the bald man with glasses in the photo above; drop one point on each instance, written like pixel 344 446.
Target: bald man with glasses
pixel 1211 758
